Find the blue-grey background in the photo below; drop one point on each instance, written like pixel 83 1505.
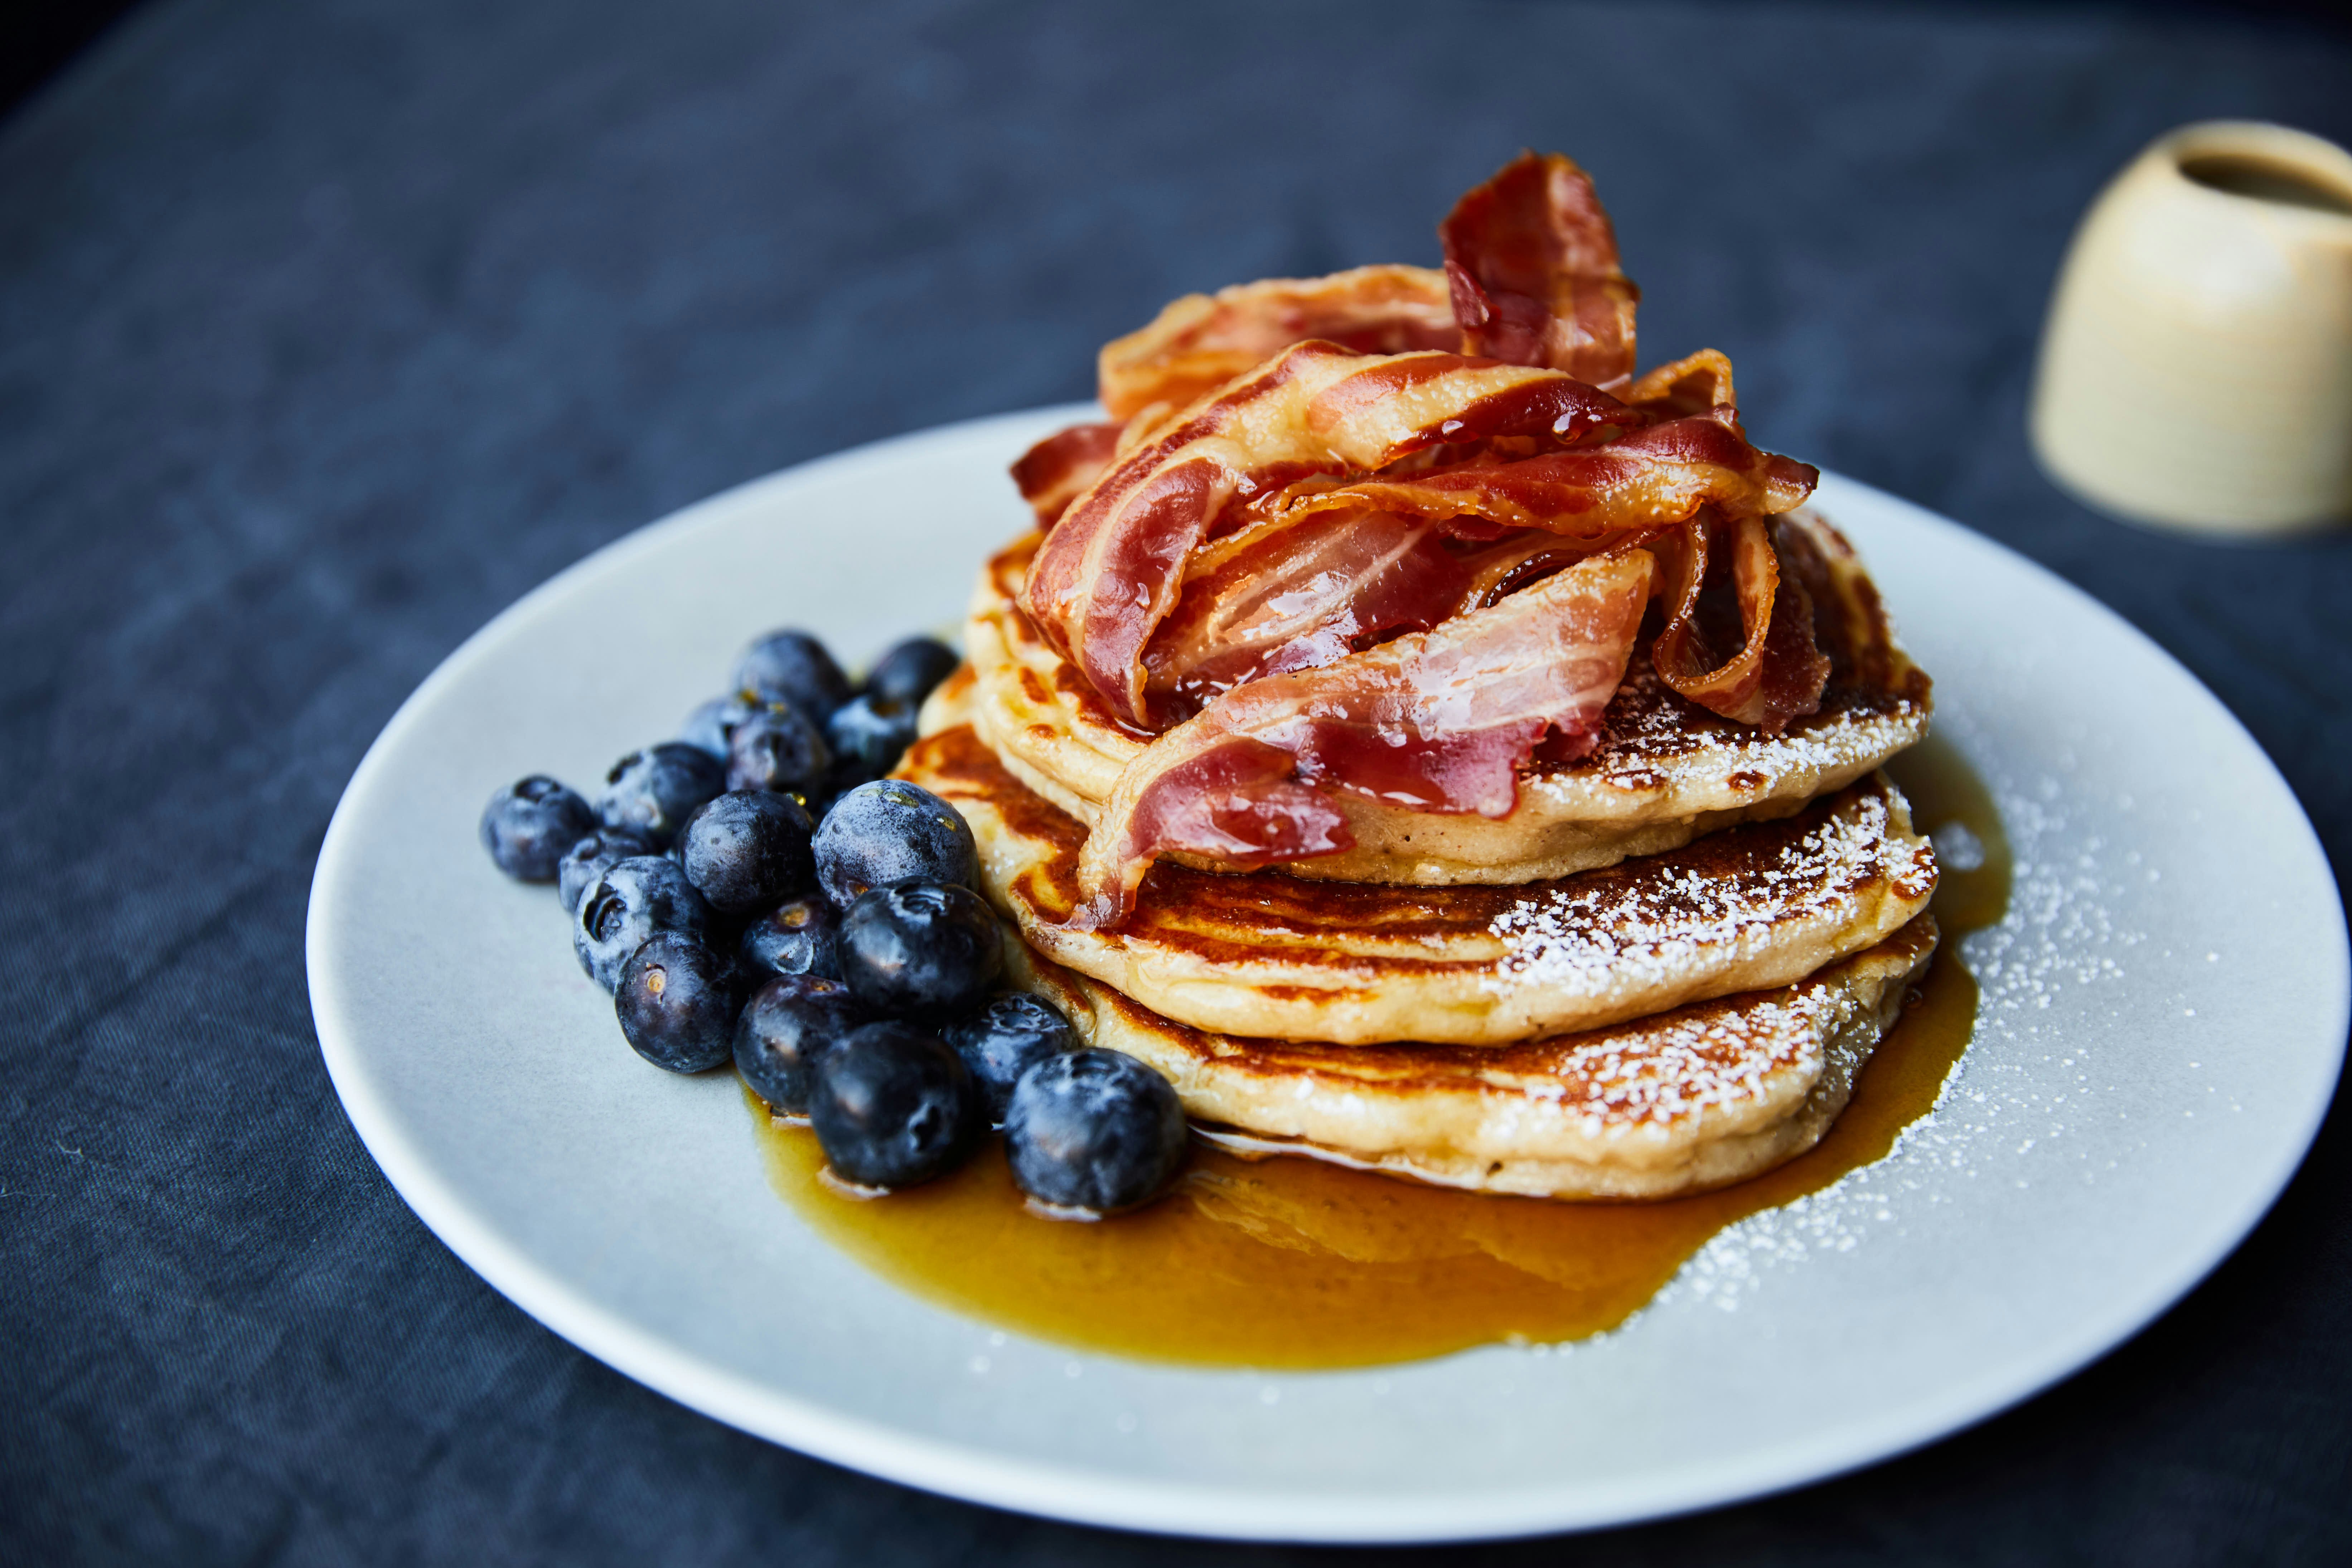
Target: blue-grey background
pixel 328 329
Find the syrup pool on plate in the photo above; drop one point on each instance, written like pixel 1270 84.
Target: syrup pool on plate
pixel 1294 1263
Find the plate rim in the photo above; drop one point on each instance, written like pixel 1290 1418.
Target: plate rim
pixel 1181 1508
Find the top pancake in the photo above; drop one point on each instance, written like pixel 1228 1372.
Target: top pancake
pixel 1667 771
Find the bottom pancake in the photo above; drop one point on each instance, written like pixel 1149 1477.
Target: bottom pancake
pixel 1699 1097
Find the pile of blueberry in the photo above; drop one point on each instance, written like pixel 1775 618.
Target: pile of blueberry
pixel 758 891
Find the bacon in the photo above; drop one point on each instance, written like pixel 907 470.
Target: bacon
pixel 1110 571
pixel 1517 560
pixel 1695 384
pixel 1054 472
pixel 1284 597
pixel 1201 342
pixel 1532 261
pixel 1778 673
pixel 1653 476
pixel 1287 597
pixel 1439 720
pixel 1676 488
pixel 1401 573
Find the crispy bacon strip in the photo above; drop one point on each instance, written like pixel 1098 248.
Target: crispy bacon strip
pixel 1283 596
pixel 1054 472
pixel 1695 384
pixel 1201 342
pixel 1111 570
pixel 1438 721
pixel 1286 598
pixel 1778 673
pixel 1532 261
pixel 1653 476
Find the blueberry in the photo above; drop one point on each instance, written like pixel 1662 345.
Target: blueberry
pixel 622 910
pixel 749 850
pixel 796 937
pixel 677 1003
pixel 789 1023
pixel 889 831
pixel 908 672
pixel 778 748
pixel 592 856
pixel 868 735
pixel 793 666
pixel 920 949
pixel 893 1106
pixel 708 726
pixel 1000 1040
pixel 654 791
pixel 1094 1130
pixel 528 824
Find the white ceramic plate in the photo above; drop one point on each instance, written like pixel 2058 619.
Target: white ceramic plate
pixel 2163 1018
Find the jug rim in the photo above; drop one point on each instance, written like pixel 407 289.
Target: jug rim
pixel 2296 154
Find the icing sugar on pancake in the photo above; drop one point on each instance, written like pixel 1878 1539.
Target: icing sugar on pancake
pixel 1666 772
pixel 1268 954
pixel 1698 1096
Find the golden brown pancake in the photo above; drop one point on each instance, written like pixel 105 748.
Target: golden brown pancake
pixel 1267 954
pixel 1697 1097
pixel 1666 772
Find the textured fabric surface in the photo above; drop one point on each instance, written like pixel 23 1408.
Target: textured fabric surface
pixel 328 329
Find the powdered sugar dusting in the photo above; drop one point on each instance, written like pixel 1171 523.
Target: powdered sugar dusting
pixel 1602 934
pixel 1997 1118
pixel 1654 739
pixel 1663 1070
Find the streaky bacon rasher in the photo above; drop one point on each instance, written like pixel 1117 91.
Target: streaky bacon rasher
pixel 1201 342
pixel 1053 473
pixel 1532 260
pixel 1439 720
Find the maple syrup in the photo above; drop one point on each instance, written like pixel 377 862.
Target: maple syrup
pixel 1295 1263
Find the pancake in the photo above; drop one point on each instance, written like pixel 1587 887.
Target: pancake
pixel 1666 772
pixel 1268 954
pixel 1698 1096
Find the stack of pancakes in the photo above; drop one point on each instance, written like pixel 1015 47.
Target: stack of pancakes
pixel 1659 973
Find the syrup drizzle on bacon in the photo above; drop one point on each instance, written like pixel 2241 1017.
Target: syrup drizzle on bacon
pixel 1439 720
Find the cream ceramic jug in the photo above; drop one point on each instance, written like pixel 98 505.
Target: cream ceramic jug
pixel 2197 367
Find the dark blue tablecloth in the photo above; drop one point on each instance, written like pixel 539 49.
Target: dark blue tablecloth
pixel 328 329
